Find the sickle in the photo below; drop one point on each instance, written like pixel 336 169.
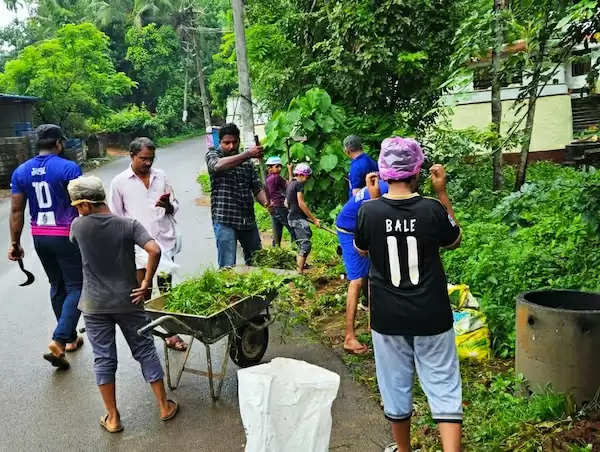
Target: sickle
pixel 30 277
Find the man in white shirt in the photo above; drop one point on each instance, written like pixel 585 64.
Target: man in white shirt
pixel 145 194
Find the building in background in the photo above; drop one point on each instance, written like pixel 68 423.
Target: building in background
pixel 16 127
pixel 234 114
pixel 568 103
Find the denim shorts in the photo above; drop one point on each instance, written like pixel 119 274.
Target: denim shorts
pixel 303 235
pixel 436 363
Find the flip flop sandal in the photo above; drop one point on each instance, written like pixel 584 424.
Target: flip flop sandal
pixel 57 360
pixel 103 423
pixel 173 414
pixel 78 343
pixel 391 448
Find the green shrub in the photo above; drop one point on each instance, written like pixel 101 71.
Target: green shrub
pixel 131 120
pixel 505 411
pixel 214 290
pixel 204 180
pixel 540 237
pixel 169 111
pixel 314 116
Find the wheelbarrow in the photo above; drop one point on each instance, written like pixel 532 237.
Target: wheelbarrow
pixel 244 322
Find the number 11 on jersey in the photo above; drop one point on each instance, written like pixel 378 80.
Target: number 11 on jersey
pixel 413 260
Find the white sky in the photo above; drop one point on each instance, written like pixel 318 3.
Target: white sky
pixel 6 16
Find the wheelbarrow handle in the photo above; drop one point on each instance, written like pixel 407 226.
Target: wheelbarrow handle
pixel 158 322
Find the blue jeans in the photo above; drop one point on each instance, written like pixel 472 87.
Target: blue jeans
pixel 227 238
pixel 279 220
pixel 62 262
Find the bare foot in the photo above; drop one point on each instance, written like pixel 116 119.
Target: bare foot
pixel 351 345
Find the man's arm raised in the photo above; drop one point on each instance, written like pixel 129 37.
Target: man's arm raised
pixel 226 163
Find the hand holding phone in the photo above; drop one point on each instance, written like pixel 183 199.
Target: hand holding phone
pixel 163 201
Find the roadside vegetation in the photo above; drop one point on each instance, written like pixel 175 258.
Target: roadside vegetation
pixel 328 69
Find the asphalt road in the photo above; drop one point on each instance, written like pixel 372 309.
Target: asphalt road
pixel 47 410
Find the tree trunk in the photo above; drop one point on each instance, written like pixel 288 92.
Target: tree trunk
pixel 498 178
pixel 533 96
pixel 522 170
pixel 201 83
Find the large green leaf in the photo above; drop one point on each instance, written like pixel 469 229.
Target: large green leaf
pixel 297 151
pixel 328 162
pixel 308 124
pixel 325 122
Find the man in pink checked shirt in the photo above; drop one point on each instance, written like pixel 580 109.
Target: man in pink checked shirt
pixel 145 194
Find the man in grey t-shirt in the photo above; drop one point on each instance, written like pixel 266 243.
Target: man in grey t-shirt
pixel 110 295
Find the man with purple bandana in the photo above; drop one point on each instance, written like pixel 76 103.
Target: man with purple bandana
pixel 42 182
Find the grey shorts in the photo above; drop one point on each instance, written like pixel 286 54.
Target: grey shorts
pixel 101 330
pixel 436 362
pixel 303 235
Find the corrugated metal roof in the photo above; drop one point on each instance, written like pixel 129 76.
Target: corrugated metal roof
pixel 16 98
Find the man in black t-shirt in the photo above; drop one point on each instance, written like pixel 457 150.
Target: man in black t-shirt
pixel 411 318
pixel 299 214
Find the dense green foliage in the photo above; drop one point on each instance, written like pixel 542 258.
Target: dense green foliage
pixel 150 43
pixel 510 414
pixel 132 119
pixel 155 56
pixel 315 117
pixel 214 290
pixel 382 58
pixel 541 237
pixel 72 73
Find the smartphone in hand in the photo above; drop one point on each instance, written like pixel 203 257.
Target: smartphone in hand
pixel 164 198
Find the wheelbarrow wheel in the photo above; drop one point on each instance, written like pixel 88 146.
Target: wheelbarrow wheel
pixel 249 345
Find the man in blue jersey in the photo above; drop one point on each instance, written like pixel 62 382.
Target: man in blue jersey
pixel 357 266
pixel 42 182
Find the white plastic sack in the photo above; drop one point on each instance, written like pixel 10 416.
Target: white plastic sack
pixel 286 406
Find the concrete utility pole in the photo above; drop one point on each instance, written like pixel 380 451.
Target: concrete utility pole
pixel 243 73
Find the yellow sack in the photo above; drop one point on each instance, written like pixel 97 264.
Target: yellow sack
pixel 470 324
pixel 461 297
pixel 475 345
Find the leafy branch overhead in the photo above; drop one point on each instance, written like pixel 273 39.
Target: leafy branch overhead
pixel 322 123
